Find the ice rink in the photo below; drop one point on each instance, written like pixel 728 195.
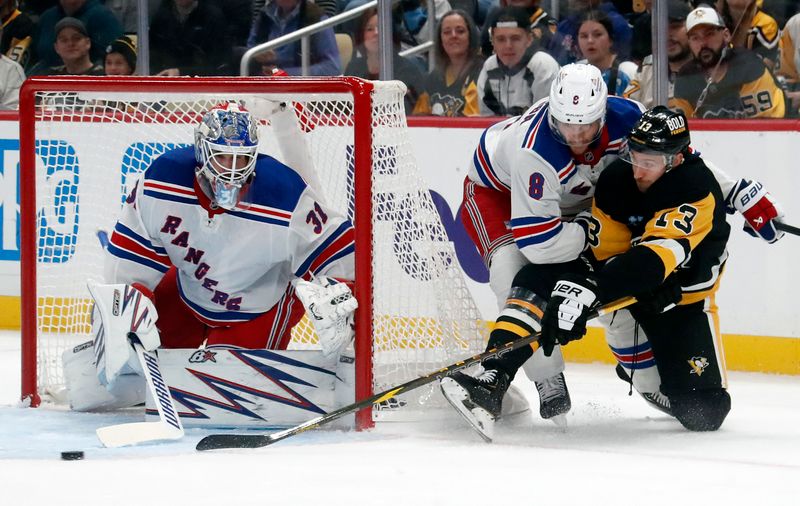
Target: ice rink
pixel 616 451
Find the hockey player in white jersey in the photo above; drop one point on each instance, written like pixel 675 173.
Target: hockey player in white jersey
pixel 532 177
pixel 224 241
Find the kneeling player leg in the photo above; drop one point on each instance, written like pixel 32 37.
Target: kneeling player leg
pixel 701 410
pixel 689 354
pixel 630 346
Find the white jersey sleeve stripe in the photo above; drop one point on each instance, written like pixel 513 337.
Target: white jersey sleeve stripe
pixel 484 168
pixel 534 230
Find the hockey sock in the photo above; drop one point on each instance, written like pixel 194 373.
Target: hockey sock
pixel 521 317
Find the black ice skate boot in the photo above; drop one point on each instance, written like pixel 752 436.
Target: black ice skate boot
pixel 656 399
pixel 554 401
pixel 478 399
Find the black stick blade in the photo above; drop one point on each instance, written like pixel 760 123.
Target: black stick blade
pixel 221 441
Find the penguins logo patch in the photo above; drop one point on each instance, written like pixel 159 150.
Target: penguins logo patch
pixel 698 365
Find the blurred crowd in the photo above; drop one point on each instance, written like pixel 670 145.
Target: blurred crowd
pixel 727 58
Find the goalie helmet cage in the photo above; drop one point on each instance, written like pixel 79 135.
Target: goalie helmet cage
pixel 82 141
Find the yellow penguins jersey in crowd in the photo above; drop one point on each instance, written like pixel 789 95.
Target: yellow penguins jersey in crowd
pixel 790 50
pixel 747 90
pixel 678 225
pixel 763 36
pixel 451 96
pixel 17 37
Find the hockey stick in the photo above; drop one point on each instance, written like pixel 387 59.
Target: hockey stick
pixel 220 441
pixel 169 424
pixel 787 228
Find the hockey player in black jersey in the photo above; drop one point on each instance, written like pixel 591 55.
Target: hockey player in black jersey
pixel 659 233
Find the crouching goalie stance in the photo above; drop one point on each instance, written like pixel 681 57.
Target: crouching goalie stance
pixel 217 245
pixel 657 232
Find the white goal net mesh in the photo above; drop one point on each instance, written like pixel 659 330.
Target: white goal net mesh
pixel 91 146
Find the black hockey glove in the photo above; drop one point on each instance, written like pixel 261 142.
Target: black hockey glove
pixel 565 316
pixel 662 298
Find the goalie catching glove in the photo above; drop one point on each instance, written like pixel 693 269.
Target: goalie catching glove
pixel 759 209
pixel 566 313
pixel 330 306
pixel 121 312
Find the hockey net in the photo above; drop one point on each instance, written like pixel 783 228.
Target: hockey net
pixel 84 142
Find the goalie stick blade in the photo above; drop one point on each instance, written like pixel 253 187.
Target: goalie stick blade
pixel 222 441
pixel 127 434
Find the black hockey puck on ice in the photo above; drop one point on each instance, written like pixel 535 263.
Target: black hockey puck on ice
pixel 76 455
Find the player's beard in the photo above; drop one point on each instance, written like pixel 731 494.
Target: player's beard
pixel 708 58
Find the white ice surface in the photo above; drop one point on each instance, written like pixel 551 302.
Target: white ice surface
pixel 617 451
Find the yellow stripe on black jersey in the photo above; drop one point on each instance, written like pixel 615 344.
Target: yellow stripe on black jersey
pixel 678 225
pixel 673 233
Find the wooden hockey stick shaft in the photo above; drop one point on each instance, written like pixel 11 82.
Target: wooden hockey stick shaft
pixel 220 441
pixel 787 228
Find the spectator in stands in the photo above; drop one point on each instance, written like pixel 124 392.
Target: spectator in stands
pixel 568 29
pixel 18 31
pixel 517 75
pixel 789 63
pixel 120 58
pixel 100 24
pixel 596 42
pixel 723 82
pixel 451 89
pixel 678 55
pixel 187 38
pixel 74 46
pixel 281 17
pixel 11 78
pixel 542 26
pixel 367 63
pixel 751 28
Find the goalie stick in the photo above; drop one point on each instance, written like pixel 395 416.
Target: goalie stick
pixel 169 424
pixel 220 441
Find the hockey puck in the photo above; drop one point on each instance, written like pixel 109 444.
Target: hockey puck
pixel 76 455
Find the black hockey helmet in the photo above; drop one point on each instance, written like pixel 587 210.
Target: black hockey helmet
pixel 660 130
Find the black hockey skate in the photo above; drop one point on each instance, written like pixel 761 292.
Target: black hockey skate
pixel 479 400
pixel 656 399
pixel 554 400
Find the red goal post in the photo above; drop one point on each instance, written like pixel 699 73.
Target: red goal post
pixel 80 139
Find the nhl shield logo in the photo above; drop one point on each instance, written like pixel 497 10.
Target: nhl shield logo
pixel 698 365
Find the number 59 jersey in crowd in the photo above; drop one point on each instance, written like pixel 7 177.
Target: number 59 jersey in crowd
pixel 548 184
pixel 232 265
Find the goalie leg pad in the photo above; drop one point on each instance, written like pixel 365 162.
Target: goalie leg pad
pixel 84 391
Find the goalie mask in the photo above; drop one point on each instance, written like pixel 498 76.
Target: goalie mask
pixel 226 146
pixel 577 105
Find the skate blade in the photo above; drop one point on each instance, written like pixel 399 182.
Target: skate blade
pixel 478 418
pixel 560 421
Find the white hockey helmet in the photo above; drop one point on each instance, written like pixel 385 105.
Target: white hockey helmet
pixel 226 147
pixel 578 97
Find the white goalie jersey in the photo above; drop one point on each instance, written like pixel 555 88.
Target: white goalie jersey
pixel 233 265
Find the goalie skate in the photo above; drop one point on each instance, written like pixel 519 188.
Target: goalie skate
pixel 478 399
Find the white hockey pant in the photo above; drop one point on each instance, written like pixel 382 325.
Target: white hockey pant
pixel 505 264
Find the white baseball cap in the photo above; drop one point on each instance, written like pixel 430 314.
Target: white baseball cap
pixel 703 16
